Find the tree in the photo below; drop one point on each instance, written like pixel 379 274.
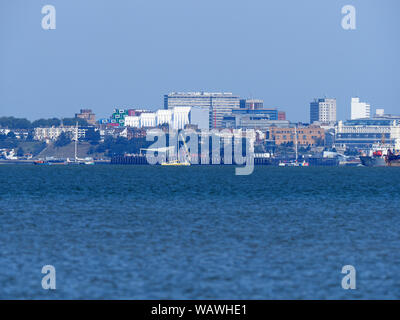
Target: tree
pixel 92 136
pixel 14 123
pixel 73 121
pixel 63 140
pixel 11 135
pixel 20 152
pixel 120 146
pixel 43 123
pixel 31 136
pixel 38 147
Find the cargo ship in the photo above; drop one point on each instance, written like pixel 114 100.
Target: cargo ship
pixel 377 155
pixel 380 159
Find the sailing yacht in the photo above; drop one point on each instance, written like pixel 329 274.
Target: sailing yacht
pixel 177 162
pixel 87 161
pixel 295 163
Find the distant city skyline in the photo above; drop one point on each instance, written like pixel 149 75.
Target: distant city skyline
pixel 108 54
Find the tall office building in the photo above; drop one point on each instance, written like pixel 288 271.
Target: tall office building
pixel 217 104
pixel 323 110
pixel 359 110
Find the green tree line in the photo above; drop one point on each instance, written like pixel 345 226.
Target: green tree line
pixel 22 123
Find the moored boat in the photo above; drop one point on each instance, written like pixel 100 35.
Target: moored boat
pixel 368 161
pixel 50 162
pixel 393 160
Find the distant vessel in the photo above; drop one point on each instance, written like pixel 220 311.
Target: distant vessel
pixel 393 160
pixel 378 155
pixel 177 162
pixel 76 160
pixel 378 159
pixel 50 162
pixel 295 163
pixel 381 158
pixel 86 161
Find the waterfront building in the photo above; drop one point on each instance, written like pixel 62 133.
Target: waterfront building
pixel 323 110
pixel 359 110
pixel 363 133
pixel 217 104
pixel 306 135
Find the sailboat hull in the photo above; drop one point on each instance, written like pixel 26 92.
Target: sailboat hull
pixel 175 164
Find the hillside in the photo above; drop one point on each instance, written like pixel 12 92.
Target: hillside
pixel 68 151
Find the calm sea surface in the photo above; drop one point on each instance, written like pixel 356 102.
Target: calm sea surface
pixel 143 232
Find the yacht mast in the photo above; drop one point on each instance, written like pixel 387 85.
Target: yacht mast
pixel 76 141
pixel 295 137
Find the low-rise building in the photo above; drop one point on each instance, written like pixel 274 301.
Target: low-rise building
pixel 87 115
pixel 177 118
pixel 253 119
pixel 52 133
pixel 363 133
pixel 148 120
pixel 306 135
pixel 132 121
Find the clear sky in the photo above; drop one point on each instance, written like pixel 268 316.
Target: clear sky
pixel 116 53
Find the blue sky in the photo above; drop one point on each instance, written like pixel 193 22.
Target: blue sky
pixel 105 54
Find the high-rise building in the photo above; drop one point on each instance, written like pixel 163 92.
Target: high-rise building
pixel 323 110
pixel 217 104
pixel 359 110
